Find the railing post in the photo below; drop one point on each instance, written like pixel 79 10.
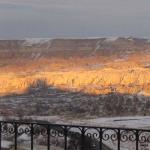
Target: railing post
pixel 48 137
pixel 32 132
pixel 119 138
pixel 65 136
pixel 16 134
pixel 82 138
pixel 137 139
pixel 0 135
pixel 101 138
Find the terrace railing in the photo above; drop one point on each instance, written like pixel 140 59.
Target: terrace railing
pixel 18 135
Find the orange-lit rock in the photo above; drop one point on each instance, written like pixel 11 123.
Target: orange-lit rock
pixel 119 66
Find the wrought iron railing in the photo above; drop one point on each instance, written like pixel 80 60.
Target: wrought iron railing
pixel 18 135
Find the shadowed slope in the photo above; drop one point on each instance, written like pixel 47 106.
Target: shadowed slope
pixel 48 101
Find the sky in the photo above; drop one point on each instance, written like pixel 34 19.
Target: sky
pixel 74 18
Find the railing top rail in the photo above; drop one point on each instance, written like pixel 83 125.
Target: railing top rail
pixel 73 125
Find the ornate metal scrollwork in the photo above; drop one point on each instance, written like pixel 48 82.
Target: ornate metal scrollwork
pixel 8 129
pixel 127 135
pixel 109 134
pixel 23 129
pixel 92 133
pixel 74 132
pixel 39 130
pixel 144 137
pixel 57 131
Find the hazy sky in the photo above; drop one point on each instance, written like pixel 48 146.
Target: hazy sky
pixel 74 18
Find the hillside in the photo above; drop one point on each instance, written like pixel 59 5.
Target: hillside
pixel 94 66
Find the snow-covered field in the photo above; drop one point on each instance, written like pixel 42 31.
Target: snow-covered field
pixel 126 122
pixel 141 122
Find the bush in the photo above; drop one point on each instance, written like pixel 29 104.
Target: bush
pixel 38 85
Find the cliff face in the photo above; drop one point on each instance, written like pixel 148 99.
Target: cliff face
pixel 96 66
pixel 94 82
pixel 73 47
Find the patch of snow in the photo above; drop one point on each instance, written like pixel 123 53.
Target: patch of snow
pixel 119 60
pixel 97 46
pixel 50 43
pixel 130 39
pixel 128 122
pixel 111 39
pixel 82 38
pixel 24 137
pixel 37 55
pixel 6 144
pixel 148 41
pixel 92 37
pixel 32 41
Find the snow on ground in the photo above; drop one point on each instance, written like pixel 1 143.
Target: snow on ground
pixel 111 39
pixel 6 144
pixel 141 122
pixel 126 122
pixel 97 46
pixel 32 41
pixel 148 40
pixel 24 137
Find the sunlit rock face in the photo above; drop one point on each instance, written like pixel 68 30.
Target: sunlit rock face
pixel 93 65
